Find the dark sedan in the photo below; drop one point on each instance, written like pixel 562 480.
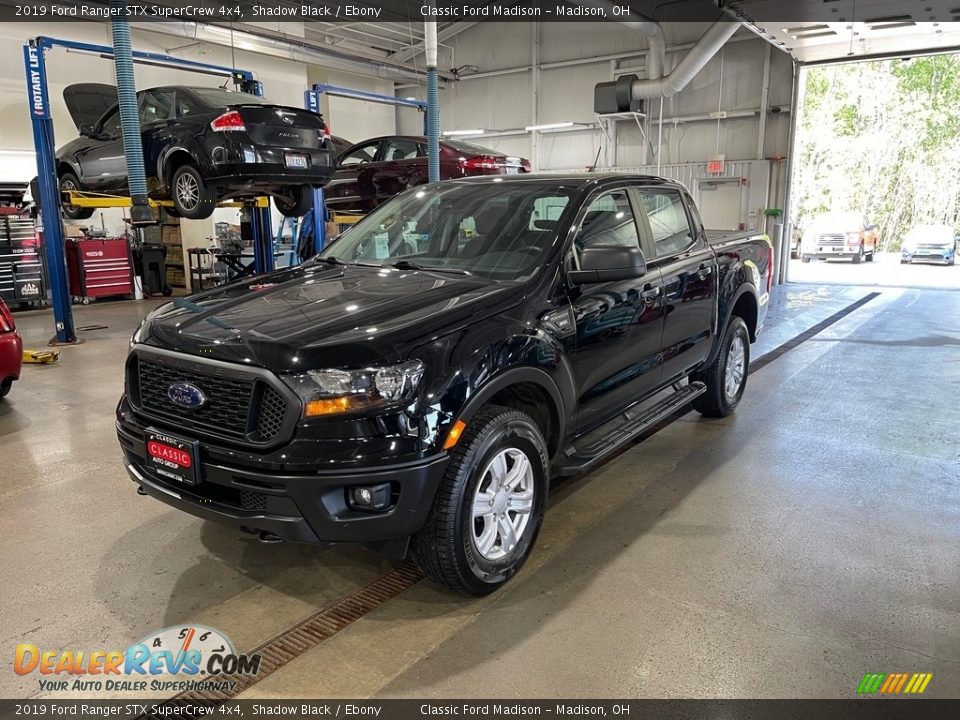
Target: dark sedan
pixel 373 171
pixel 200 146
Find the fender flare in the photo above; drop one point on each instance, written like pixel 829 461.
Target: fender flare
pixel 515 376
pixel 744 289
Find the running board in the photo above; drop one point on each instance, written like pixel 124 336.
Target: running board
pixel 633 422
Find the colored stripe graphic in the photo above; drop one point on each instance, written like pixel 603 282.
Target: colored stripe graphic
pixel 894 683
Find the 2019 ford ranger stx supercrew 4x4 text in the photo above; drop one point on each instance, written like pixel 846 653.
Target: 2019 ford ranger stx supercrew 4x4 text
pixel 416 386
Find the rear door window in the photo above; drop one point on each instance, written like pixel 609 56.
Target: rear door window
pixel 156 106
pixel 401 149
pixel 669 225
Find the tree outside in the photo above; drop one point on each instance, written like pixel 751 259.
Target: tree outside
pixel 881 138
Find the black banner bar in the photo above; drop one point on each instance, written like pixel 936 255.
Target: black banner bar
pixel 405 11
pixel 867 708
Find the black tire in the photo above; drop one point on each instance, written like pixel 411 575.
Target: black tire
pixel 297 203
pixel 193 199
pixel 715 402
pixel 804 259
pixel 871 256
pixel 446 549
pixel 5 388
pixel 903 262
pixel 858 258
pixel 69 181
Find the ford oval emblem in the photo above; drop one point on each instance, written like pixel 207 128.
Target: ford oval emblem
pixel 186 396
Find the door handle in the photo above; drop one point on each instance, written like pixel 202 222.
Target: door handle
pixel 704 271
pixel 650 293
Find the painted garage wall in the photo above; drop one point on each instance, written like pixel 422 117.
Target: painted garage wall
pixel 732 81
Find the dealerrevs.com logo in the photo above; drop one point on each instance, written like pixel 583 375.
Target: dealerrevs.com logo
pixel 175 659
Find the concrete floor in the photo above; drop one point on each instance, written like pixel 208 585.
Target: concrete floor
pixel 885 272
pixel 782 552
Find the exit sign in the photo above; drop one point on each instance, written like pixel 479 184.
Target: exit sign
pixel 715 166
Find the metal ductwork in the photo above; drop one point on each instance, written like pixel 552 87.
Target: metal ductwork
pixel 650 29
pixel 692 63
pixel 140 212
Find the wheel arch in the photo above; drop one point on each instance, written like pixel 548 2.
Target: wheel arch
pixel 172 158
pixel 745 299
pixel 529 389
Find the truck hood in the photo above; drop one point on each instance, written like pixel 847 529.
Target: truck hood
pixel 325 316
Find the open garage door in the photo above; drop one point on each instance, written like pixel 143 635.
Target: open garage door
pixel 876 185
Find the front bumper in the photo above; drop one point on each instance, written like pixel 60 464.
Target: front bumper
pixel 11 356
pixel 840 253
pixel 302 507
pixel 929 256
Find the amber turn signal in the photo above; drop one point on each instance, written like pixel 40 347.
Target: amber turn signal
pixel 455 432
pixel 330 406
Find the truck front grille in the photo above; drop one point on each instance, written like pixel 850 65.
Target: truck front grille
pixel 235 408
pixel 831 240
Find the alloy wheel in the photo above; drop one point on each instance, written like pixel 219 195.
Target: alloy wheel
pixel 502 504
pixel 736 368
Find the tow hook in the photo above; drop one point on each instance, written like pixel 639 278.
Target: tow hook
pixel 140 490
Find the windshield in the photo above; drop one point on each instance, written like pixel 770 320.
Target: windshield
pixel 930 234
pixel 840 221
pixel 497 230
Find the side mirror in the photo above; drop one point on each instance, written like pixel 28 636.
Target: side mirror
pixel 89 130
pixel 608 263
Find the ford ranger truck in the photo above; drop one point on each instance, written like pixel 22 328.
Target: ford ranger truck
pixel 416 385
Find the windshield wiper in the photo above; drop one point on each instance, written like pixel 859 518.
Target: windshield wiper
pixel 411 265
pixel 331 260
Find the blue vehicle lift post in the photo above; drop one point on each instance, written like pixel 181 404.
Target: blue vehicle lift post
pixel 311 101
pixel 38 100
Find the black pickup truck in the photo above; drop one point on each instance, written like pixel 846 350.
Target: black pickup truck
pixel 417 385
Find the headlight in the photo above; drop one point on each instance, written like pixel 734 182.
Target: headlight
pixel 332 392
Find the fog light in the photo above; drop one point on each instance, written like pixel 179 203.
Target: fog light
pixel 371 498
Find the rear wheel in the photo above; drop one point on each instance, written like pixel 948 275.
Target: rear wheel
pixel 192 197
pixel 489 507
pixel 69 181
pixel 295 201
pixel 726 378
pixel 5 387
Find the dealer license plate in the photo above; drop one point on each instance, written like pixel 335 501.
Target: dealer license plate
pixel 173 458
pixel 295 160
pixel 513 169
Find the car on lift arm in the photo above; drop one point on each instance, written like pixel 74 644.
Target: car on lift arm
pixel 373 171
pixel 201 146
pixel 416 386
pixel 11 350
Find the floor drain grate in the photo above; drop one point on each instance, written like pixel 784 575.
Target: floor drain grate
pixel 300 638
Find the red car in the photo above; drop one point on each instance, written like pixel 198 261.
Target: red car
pixel 373 171
pixel 11 350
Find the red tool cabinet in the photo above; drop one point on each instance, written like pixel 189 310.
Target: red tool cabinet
pixel 99 267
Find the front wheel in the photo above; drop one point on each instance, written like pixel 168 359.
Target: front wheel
pixel 5 388
pixel 69 181
pixel 193 199
pixel 726 378
pixel 804 258
pixel 858 258
pixel 489 507
pixel 296 201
